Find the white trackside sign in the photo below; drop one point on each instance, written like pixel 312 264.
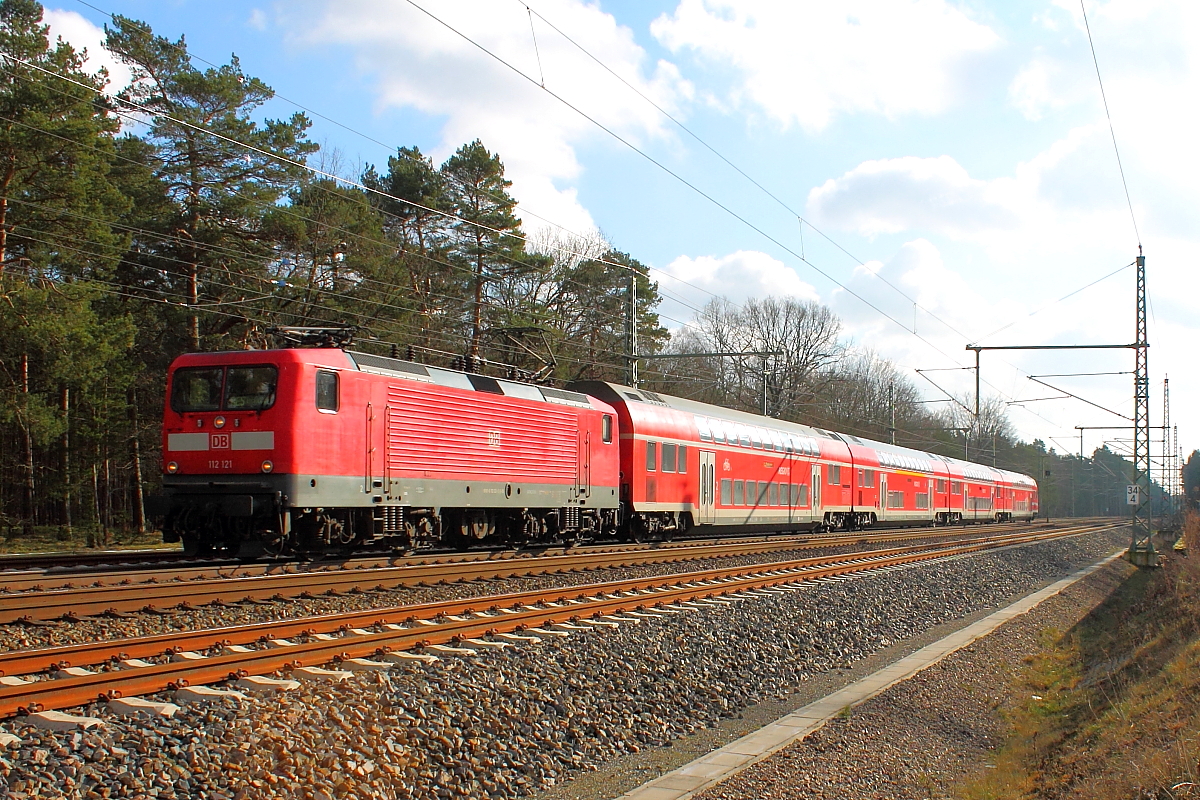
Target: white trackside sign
pixel 1133 495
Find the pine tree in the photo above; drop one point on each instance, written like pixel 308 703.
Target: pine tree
pixel 55 152
pixel 221 169
pixel 487 231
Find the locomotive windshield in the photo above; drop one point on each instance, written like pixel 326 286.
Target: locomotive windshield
pixel 197 389
pixel 250 388
pixel 245 389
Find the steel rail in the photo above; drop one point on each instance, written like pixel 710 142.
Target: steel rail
pixel 447 622
pixel 68 576
pixel 155 595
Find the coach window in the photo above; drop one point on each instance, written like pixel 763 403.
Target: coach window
pixel 606 428
pixel 955 487
pixel 651 456
pixel 763 488
pixel 327 391
pixel 681 466
pixel 668 457
pixel 739 493
pixel 726 490
pixel 751 493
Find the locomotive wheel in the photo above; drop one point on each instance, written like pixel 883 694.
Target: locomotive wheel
pixel 476 525
pixel 275 544
pixel 191 544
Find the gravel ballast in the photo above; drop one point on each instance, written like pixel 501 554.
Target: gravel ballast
pixel 104 628
pixel 521 721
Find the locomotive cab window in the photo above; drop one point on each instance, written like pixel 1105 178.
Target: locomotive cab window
pixel 250 388
pixel 606 429
pixel 327 391
pixel 196 389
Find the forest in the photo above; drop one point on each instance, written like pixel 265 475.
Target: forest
pixel 176 214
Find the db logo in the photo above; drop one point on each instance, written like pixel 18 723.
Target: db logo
pixel 218 441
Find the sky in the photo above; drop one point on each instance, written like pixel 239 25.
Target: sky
pixel 939 173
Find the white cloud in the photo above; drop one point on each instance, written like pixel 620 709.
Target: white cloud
pixel 422 65
pixel 82 34
pixel 1067 201
pixel 805 62
pixel 740 275
pixel 1031 90
pixel 257 20
pixel 900 194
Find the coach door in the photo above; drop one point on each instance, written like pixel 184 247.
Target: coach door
pixel 816 492
pixel 708 482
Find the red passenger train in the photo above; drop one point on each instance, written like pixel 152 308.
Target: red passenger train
pixel 298 449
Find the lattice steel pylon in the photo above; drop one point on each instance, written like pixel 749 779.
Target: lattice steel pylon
pixel 1141 546
pixel 1164 469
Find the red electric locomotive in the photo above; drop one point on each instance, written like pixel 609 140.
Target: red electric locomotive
pixel 296 449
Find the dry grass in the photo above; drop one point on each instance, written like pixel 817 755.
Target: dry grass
pixel 1111 708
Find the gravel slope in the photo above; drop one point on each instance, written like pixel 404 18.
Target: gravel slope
pixel 928 735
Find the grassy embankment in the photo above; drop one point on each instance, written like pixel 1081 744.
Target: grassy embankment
pixel 1111 708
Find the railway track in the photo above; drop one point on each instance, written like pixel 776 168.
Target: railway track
pixel 34 599
pixel 372 639
pixel 40 571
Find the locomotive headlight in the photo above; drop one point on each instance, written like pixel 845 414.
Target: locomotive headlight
pixel 267 466
pixel 172 467
pixel 219 422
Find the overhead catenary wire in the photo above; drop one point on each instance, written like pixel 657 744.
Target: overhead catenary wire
pixel 682 180
pixel 355 184
pixel 530 12
pixel 1111 129
pixel 289 211
pixel 524 211
pixel 785 205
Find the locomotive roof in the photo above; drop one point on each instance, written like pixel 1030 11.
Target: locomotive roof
pixel 889 454
pixel 410 370
pixel 397 368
